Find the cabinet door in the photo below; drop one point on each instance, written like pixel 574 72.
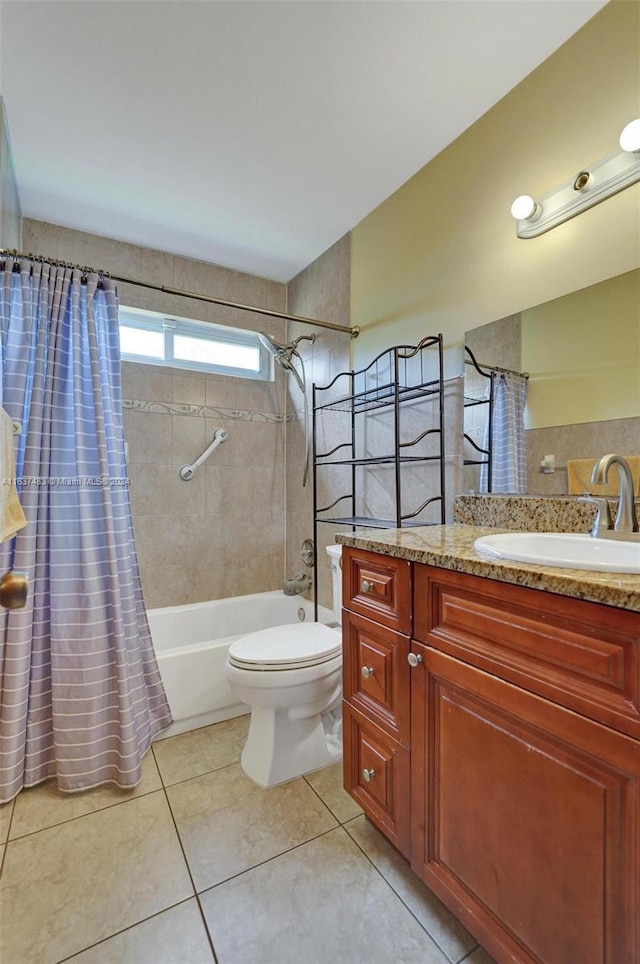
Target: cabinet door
pixel 525 818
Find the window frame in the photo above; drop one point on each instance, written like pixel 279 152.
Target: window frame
pixel 170 325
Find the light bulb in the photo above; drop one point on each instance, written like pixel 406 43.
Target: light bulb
pixel 630 137
pixel 524 208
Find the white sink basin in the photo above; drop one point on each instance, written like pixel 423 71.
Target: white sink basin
pixel 568 550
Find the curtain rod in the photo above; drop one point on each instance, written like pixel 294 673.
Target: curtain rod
pixel 491 368
pixel 194 296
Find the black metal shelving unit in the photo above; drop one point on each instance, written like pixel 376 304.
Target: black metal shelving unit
pixel 394 379
pixel 482 456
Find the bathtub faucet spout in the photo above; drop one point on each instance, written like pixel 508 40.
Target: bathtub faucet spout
pixel 299 583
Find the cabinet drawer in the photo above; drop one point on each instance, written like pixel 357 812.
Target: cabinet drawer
pixel 582 655
pixel 378 587
pixel 376 673
pixel 376 774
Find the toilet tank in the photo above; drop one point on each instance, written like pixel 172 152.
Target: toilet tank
pixel 335 553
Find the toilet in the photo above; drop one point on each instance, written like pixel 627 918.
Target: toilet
pixel 291 677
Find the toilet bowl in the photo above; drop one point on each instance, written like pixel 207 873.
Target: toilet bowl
pixel 291 677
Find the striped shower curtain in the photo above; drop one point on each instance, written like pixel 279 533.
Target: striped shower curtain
pixel 80 692
pixel 508 443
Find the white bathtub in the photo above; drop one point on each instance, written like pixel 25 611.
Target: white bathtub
pixel 191 644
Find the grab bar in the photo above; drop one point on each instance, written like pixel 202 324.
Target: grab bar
pixel 187 472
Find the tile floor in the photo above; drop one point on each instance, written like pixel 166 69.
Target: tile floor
pixel 198 865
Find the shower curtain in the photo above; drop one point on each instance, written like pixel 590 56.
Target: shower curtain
pixel 508 444
pixel 80 692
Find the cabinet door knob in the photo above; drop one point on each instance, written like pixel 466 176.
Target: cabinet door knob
pixel 414 659
pixel 366 586
pixel 367 775
pixel 368 671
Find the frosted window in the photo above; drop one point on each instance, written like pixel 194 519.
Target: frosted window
pixel 154 339
pixel 137 341
pixel 216 353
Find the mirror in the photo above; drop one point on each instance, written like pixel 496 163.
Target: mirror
pixel 582 353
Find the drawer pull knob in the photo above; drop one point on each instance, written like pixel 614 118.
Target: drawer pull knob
pixel 414 659
pixel 367 586
pixel 367 775
pixel 368 671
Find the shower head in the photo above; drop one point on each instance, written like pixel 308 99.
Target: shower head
pixel 282 354
pixel 275 349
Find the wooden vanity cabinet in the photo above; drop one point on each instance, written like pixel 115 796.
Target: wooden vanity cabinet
pixel 524 745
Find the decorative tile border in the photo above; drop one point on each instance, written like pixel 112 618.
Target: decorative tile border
pixel 206 411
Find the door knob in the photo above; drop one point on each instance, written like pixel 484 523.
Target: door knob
pixel 368 774
pixel 368 671
pixel 414 659
pixel 366 586
pixel 13 590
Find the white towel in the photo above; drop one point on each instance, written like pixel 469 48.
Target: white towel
pixel 12 518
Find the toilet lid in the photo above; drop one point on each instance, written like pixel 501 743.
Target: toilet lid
pixel 286 647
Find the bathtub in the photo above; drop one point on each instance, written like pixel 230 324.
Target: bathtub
pixel 191 644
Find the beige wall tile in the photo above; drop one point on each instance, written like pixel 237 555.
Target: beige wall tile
pixel 178 584
pixel 259 396
pixel 188 439
pixel 156 488
pixel 221 391
pixel 188 387
pixel 153 384
pixel 129 380
pixel 153 438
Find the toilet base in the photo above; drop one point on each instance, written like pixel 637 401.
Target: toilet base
pixel 281 747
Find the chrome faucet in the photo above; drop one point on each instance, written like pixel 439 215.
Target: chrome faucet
pixel 626 522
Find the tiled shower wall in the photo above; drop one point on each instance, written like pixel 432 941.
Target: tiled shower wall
pixel 322 290
pixel 222 533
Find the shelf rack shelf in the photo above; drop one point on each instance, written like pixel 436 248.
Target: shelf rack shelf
pixel 483 454
pixel 398 381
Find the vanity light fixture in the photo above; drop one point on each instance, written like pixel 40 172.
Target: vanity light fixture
pixel 601 180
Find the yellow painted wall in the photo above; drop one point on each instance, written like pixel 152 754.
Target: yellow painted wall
pixel 583 354
pixel 441 254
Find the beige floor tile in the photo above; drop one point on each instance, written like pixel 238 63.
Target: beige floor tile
pixel 228 824
pixel 69 886
pixel 44 806
pixel 5 819
pixel 200 751
pixel 328 785
pixel 177 936
pixel 479 956
pixel 447 932
pixel 323 902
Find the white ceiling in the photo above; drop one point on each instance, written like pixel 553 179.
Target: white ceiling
pixel 250 134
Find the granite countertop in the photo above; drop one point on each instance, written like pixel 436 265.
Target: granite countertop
pixel 451 547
